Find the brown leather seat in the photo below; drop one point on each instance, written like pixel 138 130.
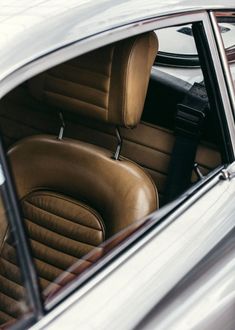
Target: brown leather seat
pixel 74 195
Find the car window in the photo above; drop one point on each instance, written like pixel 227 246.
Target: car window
pixel 154 114
pixel 226 22
pixel 179 57
pixel 65 155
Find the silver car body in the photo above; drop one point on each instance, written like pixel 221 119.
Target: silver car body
pixel 181 274
pixel 31 30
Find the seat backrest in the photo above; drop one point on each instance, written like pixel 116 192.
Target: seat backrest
pixel 74 195
pixel 108 85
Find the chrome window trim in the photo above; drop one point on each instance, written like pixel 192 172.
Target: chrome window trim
pixel 223 58
pixel 221 80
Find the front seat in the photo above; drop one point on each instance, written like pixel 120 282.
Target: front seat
pixel 74 195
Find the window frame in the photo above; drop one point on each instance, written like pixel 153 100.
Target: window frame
pixel 223 58
pixel 23 250
pixel 179 60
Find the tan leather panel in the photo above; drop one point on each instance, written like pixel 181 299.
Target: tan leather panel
pixel 104 84
pixel 134 195
pixel 64 216
pixel 148 145
pixel 156 144
pixel 11 290
pixel 61 231
pixel 4 318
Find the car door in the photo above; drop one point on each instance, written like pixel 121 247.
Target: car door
pixel 135 283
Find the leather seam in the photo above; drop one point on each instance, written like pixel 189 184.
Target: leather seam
pixel 54 76
pixel 77 84
pixel 54 214
pixel 7 278
pixel 56 251
pixel 47 262
pixel 48 93
pixel 83 205
pixel 58 234
pixel 147 147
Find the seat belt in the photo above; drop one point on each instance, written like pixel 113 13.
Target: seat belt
pixel 190 118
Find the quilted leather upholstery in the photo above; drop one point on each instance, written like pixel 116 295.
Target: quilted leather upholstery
pixel 61 232
pixel 108 84
pixel 11 290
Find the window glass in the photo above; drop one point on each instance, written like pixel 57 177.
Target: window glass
pixel 179 57
pixel 226 23
pixel 180 62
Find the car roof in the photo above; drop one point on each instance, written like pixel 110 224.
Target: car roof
pixel 30 29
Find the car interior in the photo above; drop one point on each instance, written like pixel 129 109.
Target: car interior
pixel 89 143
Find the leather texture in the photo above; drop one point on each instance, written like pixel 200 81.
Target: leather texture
pixel 11 289
pixel 78 268
pixel 120 191
pixel 108 84
pixel 61 230
pixel 148 145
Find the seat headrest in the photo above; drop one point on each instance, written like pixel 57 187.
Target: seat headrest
pixel 108 84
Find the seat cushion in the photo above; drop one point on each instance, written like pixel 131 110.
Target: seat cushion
pixel 61 231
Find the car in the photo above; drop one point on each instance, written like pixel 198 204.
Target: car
pixel 117 163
